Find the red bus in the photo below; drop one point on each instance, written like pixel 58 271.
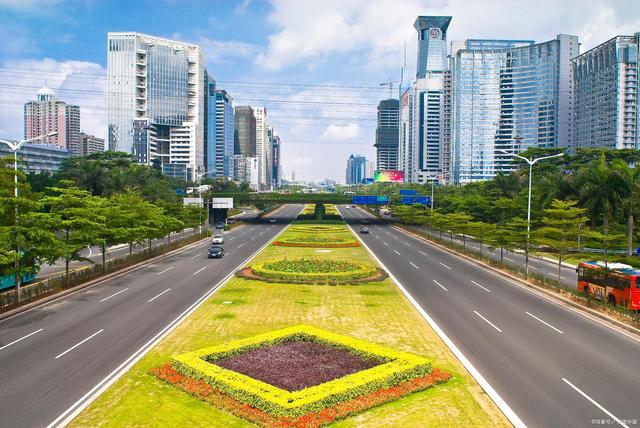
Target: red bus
pixel 614 283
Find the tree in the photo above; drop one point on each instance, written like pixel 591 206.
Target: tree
pixel 457 223
pixel 74 215
pixel 480 230
pixel 563 222
pixel 192 216
pixel 631 203
pixel 509 236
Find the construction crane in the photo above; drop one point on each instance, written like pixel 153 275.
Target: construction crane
pixel 390 84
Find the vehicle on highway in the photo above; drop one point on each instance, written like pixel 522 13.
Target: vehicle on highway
pixel 353 206
pixel 614 283
pixel 220 225
pixel 215 252
pixel 365 221
pixel 231 221
pixel 272 220
pixel 217 238
pixel 364 229
pixel 347 207
pixel 348 192
pixel 9 281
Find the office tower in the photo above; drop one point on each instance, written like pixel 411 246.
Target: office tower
pixel 507 96
pixel 428 103
pixel 157 91
pixel 276 177
pixel 269 156
pixel 387 135
pixel 261 142
pixel 406 158
pixel 606 84
pixel 224 133
pixel 89 144
pixel 245 170
pixel 356 169
pixel 245 132
pixel 48 114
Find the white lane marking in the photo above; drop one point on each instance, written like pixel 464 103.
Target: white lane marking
pixel 377 237
pixel 412 264
pixel 197 255
pixel 395 237
pixel 199 270
pixel 387 232
pixel 544 322
pixel 166 270
pixel 407 244
pixel 114 294
pixel 445 265
pixel 385 243
pixel 424 254
pixel 22 338
pixel 241 245
pixel 487 321
pixel 532 267
pixel 260 233
pixel 484 288
pixel 154 298
pixel 395 251
pixel 440 285
pixel 595 403
pixel 80 343
pixel 252 238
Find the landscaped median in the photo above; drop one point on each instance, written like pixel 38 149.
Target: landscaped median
pixel 284 354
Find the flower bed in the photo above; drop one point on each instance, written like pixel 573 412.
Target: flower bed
pixel 395 374
pixel 313 270
pixel 317 228
pixel 317 240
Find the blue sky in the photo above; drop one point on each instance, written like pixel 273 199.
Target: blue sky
pixel 316 64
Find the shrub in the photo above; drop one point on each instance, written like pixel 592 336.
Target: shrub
pixel 313 270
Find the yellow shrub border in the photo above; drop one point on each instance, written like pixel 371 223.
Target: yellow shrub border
pixel 396 367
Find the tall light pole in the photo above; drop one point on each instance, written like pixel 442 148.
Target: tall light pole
pixel 433 180
pixel 15 147
pixel 530 162
pixel 199 176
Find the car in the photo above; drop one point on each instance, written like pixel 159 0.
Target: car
pixel 365 221
pixel 215 252
pixel 353 206
pixel 272 220
pixel 347 207
pixel 218 238
pixel 231 221
pixel 364 230
pixel 220 225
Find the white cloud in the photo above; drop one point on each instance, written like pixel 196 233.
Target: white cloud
pixel 241 8
pixel 222 51
pixel 30 6
pixel 75 82
pixel 341 132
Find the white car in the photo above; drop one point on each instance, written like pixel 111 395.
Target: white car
pixel 217 239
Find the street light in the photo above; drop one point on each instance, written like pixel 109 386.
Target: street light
pixel 199 177
pixel 530 162
pixel 433 180
pixel 15 147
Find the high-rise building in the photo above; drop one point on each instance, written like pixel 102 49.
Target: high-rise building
pixel 36 158
pixel 356 169
pixel 262 143
pixel 157 91
pixel 245 132
pixel 429 98
pixel 269 156
pixel 89 144
pixel 606 85
pixel 507 96
pixel 276 156
pixel 225 128
pixel 48 114
pixel 245 170
pixel 387 134
pixel 406 154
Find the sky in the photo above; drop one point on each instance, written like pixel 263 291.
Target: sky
pixel 317 65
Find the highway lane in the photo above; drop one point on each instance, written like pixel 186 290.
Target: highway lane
pixel 54 354
pixel 540 356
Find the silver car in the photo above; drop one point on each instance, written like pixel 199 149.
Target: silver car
pixel 217 239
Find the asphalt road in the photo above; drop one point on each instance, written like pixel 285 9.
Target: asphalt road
pixel 52 355
pixel 553 366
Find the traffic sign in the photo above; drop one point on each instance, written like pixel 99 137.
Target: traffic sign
pixel 408 192
pixel 370 200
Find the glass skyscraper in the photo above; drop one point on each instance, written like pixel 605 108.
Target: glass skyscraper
pixel 606 82
pixel 387 135
pixel 156 99
pixel 224 129
pixel 508 95
pixel 356 169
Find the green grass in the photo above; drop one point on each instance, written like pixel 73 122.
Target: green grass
pixel 376 312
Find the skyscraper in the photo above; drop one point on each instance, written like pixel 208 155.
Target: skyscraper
pixel 48 114
pixel 156 99
pixel 262 143
pixel 607 80
pixel 356 169
pixel 225 127
pixel 269 156
pixel 387 135
pixel 276 177
pixel 429 93
pixel 245 132
pixel 508 95
pixel 406 154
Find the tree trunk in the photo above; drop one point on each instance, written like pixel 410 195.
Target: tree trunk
pixel 501 257
pixel 149 246
pixel 560 268
pixel 130 250
pixel 481 242
pixel 464 242
pixel 66 267
pixel 630 234
pixel 104 257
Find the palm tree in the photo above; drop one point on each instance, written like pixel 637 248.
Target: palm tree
pixel 631 202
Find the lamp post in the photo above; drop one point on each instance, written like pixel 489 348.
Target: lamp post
pixel 433 180
pixel 530 162
pixel 199 176
pixel 15 147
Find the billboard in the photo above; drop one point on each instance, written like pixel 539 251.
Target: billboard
pixel 388 176
pixel 369 200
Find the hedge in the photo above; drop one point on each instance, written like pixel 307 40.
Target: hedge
pixel 358 272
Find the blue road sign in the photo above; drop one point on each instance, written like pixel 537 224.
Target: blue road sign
pixel 424 200
pixel 180 192
pixel 407 200
pixel 369 200
pixel 408 192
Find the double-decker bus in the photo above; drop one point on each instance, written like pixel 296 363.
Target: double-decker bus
pixel 614 283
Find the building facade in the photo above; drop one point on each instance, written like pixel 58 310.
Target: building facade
pixel 224 133
pixel 507 96
pixel 36 158
pixel 89 144
pixel 245 132
pixel 406 158
pixel 48 114
pixel 245 170
pixel 356 169
pixel 262 143
pixel 276 156
pixel 156 91
pixel 387 135
pixel 607 81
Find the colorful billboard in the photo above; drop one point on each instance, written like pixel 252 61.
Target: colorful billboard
pixel 388 176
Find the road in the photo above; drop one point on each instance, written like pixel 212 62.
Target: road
pixel 51 356
pixel 553 366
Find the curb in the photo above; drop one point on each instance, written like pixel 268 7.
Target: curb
pixel 63 293
pixel 523 283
